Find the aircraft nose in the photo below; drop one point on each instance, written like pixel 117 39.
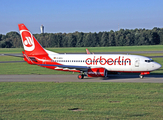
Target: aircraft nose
pixel 157 65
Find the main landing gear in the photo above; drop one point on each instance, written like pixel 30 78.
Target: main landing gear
pixel 81 76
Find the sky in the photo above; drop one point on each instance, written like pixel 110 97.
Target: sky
pixel 67 16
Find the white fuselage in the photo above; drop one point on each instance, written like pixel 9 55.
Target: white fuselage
pixel 111 62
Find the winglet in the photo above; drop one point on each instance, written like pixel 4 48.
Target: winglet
pixel 87 51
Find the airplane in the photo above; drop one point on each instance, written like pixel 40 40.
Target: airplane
pixel 91 65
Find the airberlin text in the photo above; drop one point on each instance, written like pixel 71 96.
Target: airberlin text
pixel 110 61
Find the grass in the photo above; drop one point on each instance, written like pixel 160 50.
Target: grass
pixel 10 50
pixel 10 58
pixel 26 69
pixel 92 49
pixel 49 100
pixel 108 49
pixel 68 101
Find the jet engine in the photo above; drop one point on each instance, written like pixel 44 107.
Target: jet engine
pixel 97 72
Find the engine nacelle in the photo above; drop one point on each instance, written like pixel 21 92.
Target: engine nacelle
pixel 145 73
pixel 97 72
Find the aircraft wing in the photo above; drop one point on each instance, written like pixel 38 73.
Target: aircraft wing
pixel 81 68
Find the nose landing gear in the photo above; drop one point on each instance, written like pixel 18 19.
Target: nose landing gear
pixel 143 73
pixel 141 76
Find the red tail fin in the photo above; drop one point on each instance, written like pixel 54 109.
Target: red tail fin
pixel 31 45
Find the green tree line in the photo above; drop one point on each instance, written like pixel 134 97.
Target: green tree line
pixel 123 37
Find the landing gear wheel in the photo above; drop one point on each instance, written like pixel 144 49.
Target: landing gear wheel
pixel 141 76
pixel 80 76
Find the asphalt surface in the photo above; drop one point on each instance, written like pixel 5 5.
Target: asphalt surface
pixel 73 78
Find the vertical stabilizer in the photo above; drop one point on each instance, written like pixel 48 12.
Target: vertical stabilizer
pixel 30 44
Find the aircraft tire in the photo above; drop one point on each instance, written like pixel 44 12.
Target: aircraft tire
pixel 80 76
pixel 141 76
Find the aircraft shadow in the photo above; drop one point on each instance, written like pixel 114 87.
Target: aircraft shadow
pixel 116 77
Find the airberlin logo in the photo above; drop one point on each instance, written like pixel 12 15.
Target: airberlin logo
pixel 28 42
pixel 27 39
pixel 110 61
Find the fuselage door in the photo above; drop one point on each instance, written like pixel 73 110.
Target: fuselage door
pixel 137 62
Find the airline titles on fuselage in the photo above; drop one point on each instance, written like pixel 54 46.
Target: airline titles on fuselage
pixel 109 61
pixel 101 60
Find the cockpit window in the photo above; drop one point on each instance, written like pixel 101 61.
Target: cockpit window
pixel 149 61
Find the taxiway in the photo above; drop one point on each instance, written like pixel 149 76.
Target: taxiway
pixel 73 78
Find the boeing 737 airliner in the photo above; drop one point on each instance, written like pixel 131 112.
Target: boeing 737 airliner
pixel 92 65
